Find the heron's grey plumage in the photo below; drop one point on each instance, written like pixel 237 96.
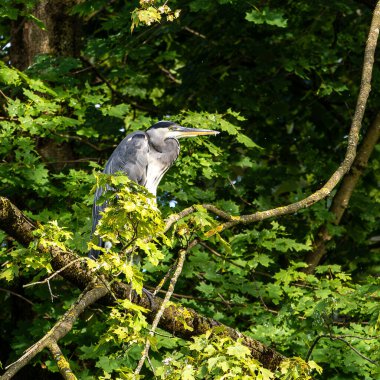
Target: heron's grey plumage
pixel 144 157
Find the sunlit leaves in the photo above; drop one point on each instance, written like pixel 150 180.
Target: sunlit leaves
pixel 213 355
pixel 152 11
pixel 296 368
pixel 131 212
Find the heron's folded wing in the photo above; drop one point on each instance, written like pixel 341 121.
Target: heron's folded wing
pixel 131 157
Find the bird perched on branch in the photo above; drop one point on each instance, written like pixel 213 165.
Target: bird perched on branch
pixel 145 157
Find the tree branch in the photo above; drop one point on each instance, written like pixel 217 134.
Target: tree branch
pixel 343 195
pixel 157 318
pixel 59 330
pixel 183 322
pixel 62 363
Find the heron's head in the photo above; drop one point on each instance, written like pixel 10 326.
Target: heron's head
pixel 167 130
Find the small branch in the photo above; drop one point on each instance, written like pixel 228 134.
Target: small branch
pixel 200 35
pixel 192 31
pixel 163 280
pixel 168 74
pixel 99 74
pixel 240 197
pixel 217 254
pixel 46 280
pixel 62 363
pixel 4 96
pixel 17 295
pixel 201 299
pixel 82 140
pixel 173 281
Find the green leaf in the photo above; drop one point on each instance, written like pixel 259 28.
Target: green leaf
pixel 246 141
pixel 267 16
pixel 238 350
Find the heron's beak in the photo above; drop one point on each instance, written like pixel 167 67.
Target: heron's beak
pixel 189 132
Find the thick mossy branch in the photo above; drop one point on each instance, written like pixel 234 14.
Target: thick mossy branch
pixel 14 223
pixel 179 321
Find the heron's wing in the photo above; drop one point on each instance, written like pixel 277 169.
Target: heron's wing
pixel 130 157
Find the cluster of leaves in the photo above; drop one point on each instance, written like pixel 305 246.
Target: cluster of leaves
pixel 216 356
pixel 276 79
pixel 150 12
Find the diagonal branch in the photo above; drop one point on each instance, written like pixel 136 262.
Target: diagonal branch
pixel 157 318
pixel 62 363
pixel 59 330
pixel 336 177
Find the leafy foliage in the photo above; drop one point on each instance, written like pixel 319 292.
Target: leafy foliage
pixel 279 80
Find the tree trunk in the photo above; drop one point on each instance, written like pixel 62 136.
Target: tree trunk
pixel 60 37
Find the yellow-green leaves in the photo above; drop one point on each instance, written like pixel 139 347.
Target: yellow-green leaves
pixel 151 11
pixel 296 368
pixel 9 76
pixel 215 356
pixel 52 235
pixel 133 224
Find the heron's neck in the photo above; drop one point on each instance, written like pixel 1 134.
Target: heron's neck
pixel 164 146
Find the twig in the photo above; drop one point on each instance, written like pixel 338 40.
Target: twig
pixel 52 296
pixel 201 299
pixel 192 31
pixel 240 197
pixel 169 74
pixel 198 34
pixel 217 254
pixel 173 281
pixel 81 139
pixel 342 339
pixel 4 96
pixel 17 295
pixel 46 280
pixel 163 280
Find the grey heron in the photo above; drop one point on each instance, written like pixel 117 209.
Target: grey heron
pixel 145 157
